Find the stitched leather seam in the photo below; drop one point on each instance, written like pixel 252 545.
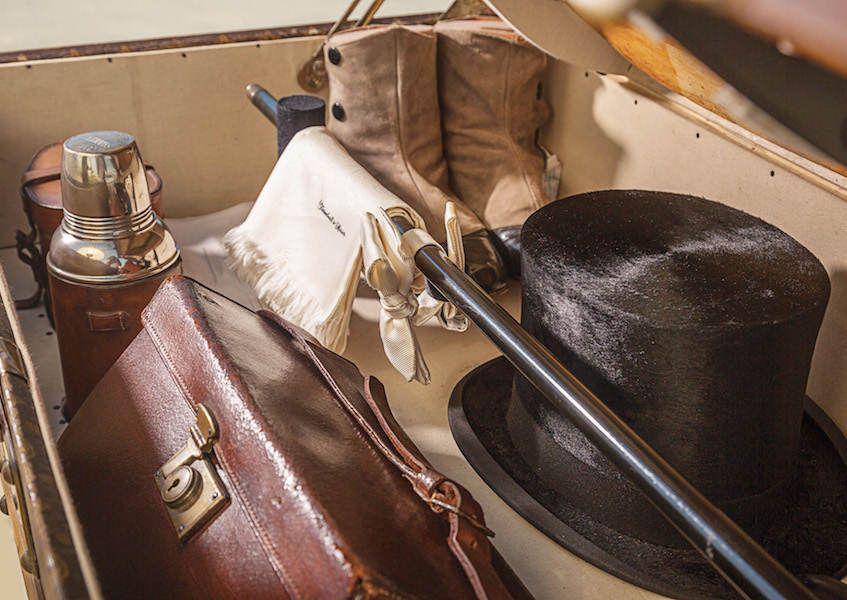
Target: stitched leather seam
pixel 268 546
pixel 356 418
pixel 275 320
pixel 348 408
pixel 288 582
pixel 261 533
pixel 325 519
pixel 386 427
pixel 400 124
pixel 507 121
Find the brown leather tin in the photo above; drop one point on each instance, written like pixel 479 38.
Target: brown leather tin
pixel 95 323
pixel 106 259
pixel 326 495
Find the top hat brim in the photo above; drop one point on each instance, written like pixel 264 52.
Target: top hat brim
pixel 810 539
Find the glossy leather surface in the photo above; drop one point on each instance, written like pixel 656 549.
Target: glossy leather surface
pixel 320 506
pixel 110 451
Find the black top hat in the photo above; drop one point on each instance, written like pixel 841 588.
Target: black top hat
pixel 696 324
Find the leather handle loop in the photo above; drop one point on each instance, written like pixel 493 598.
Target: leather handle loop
pixel 471 547
pixel 427 479
pixel 444 500
pixel 468 537
pixel 295 332
pixel 36 176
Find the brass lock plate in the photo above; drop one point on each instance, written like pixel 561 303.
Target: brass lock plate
pixel 206 497
pixel 188 483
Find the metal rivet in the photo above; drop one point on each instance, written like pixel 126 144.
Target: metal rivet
pixel 214 495
pixel 338 111
pixel 334 55
pixel 28 562
pixel 181 527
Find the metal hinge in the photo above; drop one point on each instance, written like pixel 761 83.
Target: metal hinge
pixel 188 483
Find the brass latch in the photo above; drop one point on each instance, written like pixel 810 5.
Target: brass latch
pixel 190 487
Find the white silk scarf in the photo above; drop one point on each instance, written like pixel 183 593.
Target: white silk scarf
pixel 301 248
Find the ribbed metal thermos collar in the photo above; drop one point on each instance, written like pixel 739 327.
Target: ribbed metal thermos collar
pixel 109 232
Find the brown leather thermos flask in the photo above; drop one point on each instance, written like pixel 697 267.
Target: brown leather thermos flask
pixel 107 258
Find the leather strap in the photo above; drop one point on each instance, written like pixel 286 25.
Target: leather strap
pixel 36 176
pixel 29 254
pixel 468 535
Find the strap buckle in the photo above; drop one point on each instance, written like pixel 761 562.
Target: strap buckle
pixel 440 499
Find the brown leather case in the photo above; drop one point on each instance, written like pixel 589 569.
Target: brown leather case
pixel 328 498
pixel 41 193
pixel 94 324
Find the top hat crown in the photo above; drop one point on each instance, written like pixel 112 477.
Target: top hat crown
pixel 696 324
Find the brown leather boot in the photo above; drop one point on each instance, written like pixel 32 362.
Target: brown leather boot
pixel 489 84
pixel 384 111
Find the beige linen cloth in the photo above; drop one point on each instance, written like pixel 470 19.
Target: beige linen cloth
pixel 301 250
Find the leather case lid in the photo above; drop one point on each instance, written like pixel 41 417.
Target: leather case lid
pixel 321 497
